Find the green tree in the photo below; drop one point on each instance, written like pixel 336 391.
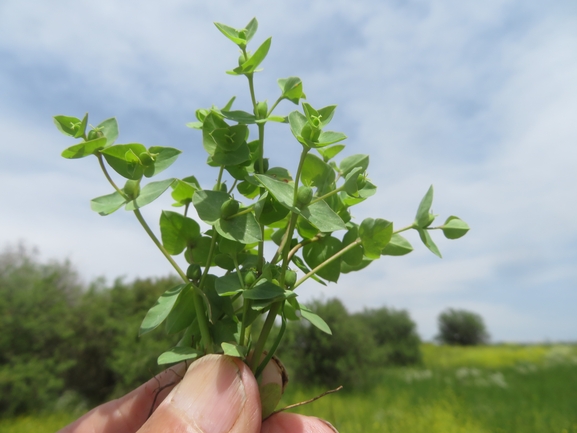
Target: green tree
pixel 395 335
pixel 462 328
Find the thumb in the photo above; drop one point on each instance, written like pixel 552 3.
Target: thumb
pixel 218 394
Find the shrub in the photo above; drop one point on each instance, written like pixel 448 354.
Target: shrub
pixel 461 327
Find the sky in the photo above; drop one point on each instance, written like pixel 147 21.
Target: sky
pixel 477 98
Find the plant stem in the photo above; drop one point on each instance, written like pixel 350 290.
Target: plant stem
pixel 103 167
pixel 404 229
pixel 326 262
pixel 152 236
pixel 266 328
pixel 274 106
pixel 327 195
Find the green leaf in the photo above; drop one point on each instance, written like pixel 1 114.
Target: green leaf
pixel 326 114
pixel 426 238
pixel 351 181
pixel 107 204
pixel 248 189
pixel 329 153
pixel 228 285
pixel 315 320
pixel 282 191
pixel 240 116
pixel 256 59
pixel 235 350
pixel 375 234
pixel 118 158
pixel 207 203
pixel 264 290
pixel 454 228
pixel 183 190
pixel 232 157
pixel 292 89
pixel 269 210
pixel 86 148
pixel 243 228
pixel 178 354
pixel 212 122
pixel 149 193
pixel 320 215
pixel 230 247
pixel 109 129
pixel 231 33
pixel 164 158
pixel 68 125
pixel 301 265
pixel 316 172
pixel 317 252
pixel 183 311
pixel 159 312
pixel 398 246
pixel 329 137
pixel 177 231
pixel 346 268
pixel 251 28
pixel 306 229
pixel 197 251
pixel 81 130
pixel 349 163
pixel 423 217
pixel 367 191
pixel 297 121
pixel 354 256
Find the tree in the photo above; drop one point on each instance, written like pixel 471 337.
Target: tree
pixel 395 335
pixel 461 328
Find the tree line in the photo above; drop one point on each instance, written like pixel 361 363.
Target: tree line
pixel 63 344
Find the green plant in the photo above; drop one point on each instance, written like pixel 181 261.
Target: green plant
pixel 265 224
pixel 462 328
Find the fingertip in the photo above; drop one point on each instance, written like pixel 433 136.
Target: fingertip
pixel 294 423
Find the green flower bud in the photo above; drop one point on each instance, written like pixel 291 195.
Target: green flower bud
pixel 194 272
pixel 93 134
pixel 290 278
pixel 132 188
pixel 454 228
pixel 146 158
pixel 229 208
pixel 249 278
pixel 242 58
pixel 261 110
pixel 265 166
pixel 304 196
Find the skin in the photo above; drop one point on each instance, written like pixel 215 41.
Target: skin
pixel 217 394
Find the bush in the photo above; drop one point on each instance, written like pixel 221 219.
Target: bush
pixel 462 328
pixel 360 346
pixel 395 335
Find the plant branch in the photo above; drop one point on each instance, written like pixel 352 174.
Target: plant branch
pixel 326 262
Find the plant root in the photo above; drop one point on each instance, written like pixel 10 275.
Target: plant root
pixel 302 403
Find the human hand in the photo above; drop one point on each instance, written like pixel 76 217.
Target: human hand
pixel 218 394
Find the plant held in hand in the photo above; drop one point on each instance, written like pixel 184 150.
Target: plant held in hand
pixel 268 232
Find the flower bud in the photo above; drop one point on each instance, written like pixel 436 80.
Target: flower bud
pixel 304 196
pixel 229 208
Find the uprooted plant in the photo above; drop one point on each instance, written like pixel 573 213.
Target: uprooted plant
pixel 260 231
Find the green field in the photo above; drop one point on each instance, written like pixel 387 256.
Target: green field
pixel 504 388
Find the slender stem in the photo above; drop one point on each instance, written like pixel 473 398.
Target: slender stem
pixel 326 262
pixel 219 179
pixel 242 212
pixel 251 87
pixel 273 348
pixel 327 195
pixel 404 229
pixel 302 244
pixel 103 167
pixel 274 106
pixel 152 236
pixel 266 328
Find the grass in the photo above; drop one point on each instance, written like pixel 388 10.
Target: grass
pixel 491 389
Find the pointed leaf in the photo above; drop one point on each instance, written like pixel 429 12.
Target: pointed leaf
pixel 317 252
pixel 107 204
pixel 116 156
pixel 251 28
pixel 423 218
pixel 164 157
pixel 177 231
pixel 256 59
pixel 243 228
pixel 109 129
pixel 315 320
pixel 282 191
pixel 320 215
pixel 149 193
pixel 454 228
pixel 297 121
pixel 86 148
pixel 375 234
pixel 426 238
pixel 240 116
pixel 352 162
pixel 264 290
pixel 228 285
pixel 231 33
pixel 292 89
pixel 329 137
pixel 329 153
pixel 68 125
pixel 183 311
pixel 178 354
pixel 160 311
pixel 207 203
pixel 398 246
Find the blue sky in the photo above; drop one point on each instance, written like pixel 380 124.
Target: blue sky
pixel 477 98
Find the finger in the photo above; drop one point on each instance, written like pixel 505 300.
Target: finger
pixel 218 394
pixel 293 423
pixel 127 414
